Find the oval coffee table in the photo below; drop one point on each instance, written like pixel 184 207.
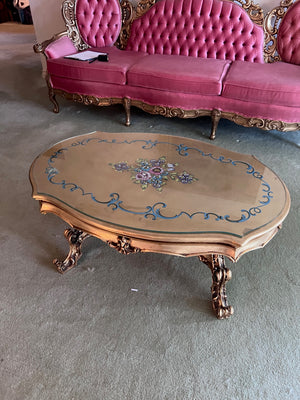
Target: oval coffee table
pixel 159 193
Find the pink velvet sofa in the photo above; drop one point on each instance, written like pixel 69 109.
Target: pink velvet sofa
pixel 182 58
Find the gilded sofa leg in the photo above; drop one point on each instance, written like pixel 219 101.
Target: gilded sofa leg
pixel 127 104
pixel 220 275
pixel 53 101
pixel 75 239
pixel 52 95
pixel 215 116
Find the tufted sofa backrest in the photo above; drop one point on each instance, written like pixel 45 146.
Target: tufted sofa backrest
pixel 198 28
pixel 99 21
pixel 288 37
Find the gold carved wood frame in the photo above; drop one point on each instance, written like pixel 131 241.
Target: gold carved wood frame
pixel 69 15
pixel 271 25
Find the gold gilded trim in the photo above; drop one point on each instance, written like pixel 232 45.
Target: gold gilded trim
pixel 69 16
pixel 271 26
pixel 41 47
pixel 88 100
pixel 75 239
pixel 51 94
pixel 254 11
pixel 162 245
pixel 143 6
pixel 220 275
pixel 129 14
pixel 265 124
pixel 171 112
pixel 123 245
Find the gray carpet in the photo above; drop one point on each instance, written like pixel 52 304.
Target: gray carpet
pixel 86 335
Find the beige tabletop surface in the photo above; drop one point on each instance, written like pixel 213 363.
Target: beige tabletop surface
pixel 161 187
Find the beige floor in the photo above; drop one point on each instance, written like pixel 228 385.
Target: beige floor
pixel 86 335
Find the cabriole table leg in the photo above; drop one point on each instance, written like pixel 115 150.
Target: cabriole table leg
pixel 75 238
pixel 220 275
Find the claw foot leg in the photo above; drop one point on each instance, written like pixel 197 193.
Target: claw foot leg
pixel 220 275
pixel 75 239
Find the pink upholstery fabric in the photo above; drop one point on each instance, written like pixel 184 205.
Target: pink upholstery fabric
pixel 99 22
pixel 288 37
pixel 113 71
pixel 276 83
pixel 179 74
pixel 198 28
pixel 97 89
pixel 60 48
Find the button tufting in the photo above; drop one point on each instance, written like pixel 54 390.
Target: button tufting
pixel 169 27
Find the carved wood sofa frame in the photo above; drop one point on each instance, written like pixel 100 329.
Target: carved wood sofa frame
pixel 130 13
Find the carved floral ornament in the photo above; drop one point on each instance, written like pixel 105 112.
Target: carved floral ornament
pixel 123 245
pixel 68 12
pixel 254 10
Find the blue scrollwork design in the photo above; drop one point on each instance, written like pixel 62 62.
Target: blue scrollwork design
pixel 156 211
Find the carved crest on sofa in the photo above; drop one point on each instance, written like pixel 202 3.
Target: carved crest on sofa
pixel 68 12
pixel 131 12
pixel 273 27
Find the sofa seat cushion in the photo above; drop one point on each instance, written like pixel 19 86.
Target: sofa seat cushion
pixel 276 83
pixel 114 71
pixel 179 74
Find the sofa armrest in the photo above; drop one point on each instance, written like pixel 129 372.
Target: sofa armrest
pixel 59 45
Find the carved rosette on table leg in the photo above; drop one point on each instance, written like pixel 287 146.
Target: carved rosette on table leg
pixel 123 245
pixel 75 239
pixel 220 275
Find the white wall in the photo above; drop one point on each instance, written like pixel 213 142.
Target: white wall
pixel 48 20
pixel 268 5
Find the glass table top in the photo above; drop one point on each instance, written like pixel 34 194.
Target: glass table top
pixel 160 184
